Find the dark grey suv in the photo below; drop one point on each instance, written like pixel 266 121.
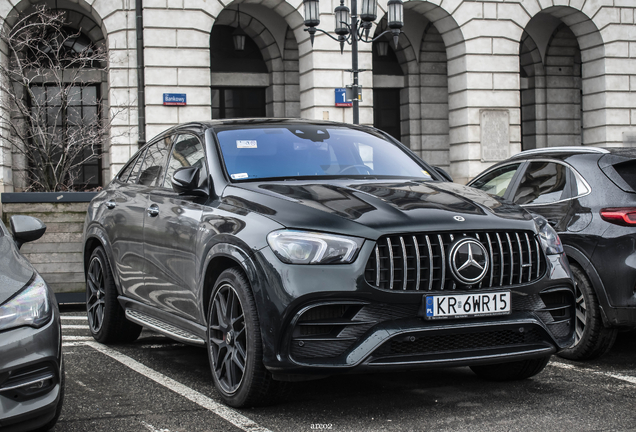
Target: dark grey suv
pixel 294 250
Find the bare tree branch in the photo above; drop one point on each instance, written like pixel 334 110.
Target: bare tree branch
pixel 42 85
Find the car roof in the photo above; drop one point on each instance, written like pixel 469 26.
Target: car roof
pixel 567 151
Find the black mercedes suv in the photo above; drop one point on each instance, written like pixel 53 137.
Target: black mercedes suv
pixel 297 249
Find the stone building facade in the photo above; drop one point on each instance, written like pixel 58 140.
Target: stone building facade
pixel 472 81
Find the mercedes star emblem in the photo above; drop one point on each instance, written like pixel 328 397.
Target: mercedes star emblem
pixel 468 261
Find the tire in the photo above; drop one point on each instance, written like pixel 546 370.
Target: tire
pixel 511 371
pixel 106 318
pixel 60 403
pixel 592 338
pixel 235 347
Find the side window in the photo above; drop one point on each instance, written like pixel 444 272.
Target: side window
pixel 187 151
pixel 497 181
pixel 154 162
pixel 125 173
pixel 132 178
pixel 542 183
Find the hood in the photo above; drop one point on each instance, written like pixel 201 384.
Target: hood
pixel 15 270
pixel 371 208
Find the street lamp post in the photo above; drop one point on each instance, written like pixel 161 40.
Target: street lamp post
pixel 351 31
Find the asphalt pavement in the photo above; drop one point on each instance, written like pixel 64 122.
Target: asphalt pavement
pixel 159 385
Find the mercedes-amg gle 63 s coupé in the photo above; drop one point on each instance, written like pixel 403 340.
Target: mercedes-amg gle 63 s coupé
pixel 294 250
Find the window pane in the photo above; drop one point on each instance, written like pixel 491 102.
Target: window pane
pixel 307 150
pixel 543 182
pixel 137 168
pixel 497 181
pixel 152 168
pixel 89 95
pixel 75 96
pixel 186 152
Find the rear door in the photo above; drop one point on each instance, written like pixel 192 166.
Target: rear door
pixel 171 234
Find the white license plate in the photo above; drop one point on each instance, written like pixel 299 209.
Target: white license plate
pixel 467 305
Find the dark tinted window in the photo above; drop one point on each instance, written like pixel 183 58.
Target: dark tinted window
pixel 542 183
pixel 627 171
pixel 187 151
pixel 497 181
pixel 311 151
pixel 154 162
pixel 125 172
pixel 134 174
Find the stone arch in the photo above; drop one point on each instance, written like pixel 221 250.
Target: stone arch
pixel 533 96
pixel 79 16
pixel 277 88
pixel 431 45
pixel 573 60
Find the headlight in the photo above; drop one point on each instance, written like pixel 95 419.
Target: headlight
pixel 304 247
pixel 550 240
pixel 31 307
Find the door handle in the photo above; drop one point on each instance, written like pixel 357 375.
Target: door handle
pixel 153 210
pixel 111 204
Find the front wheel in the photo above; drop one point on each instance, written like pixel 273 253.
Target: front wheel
pixel 235 346
pixel 511 371
pixel 591 338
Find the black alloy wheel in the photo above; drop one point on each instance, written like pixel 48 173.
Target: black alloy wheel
pixel 106 318
pixel 228 343
pixel 95 294
pixel 592 339
pixel 235 348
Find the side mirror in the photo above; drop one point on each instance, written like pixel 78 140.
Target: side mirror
pixel 185 181
pixel 26 229
pixel 443 173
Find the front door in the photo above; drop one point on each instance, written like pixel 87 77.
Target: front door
pixel 171 235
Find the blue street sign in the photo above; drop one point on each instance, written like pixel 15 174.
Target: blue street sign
pixel 341 98
pixel 174 99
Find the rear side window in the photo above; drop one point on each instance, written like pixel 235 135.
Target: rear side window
pixel 125 173
pixel 132 178
pixel 627 171
pixel 154 162
pixel 542 183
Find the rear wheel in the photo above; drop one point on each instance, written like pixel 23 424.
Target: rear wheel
pixel 235 346
pixel 106 318
pixel 591 338
pixel 511 371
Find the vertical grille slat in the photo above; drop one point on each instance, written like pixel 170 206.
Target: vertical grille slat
pixel 520 258
pixel 501 261
pixel 492 261
pixel 442 279
pixel 405 264
pixel 430 263
pixel 529 258
pixel 377 265
pixel 393 265
pixel 417 263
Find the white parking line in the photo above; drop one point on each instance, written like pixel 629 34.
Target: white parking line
pixel 74 327
pixel 77 338
pixel 222 411
pixel 626 378
pixel 74 317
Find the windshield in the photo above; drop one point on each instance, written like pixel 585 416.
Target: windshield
pixel 300 151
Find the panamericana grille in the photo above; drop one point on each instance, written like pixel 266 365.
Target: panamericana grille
pixel 419 262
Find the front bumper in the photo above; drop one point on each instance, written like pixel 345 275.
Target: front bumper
pixel 354 327
pixel 29 355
